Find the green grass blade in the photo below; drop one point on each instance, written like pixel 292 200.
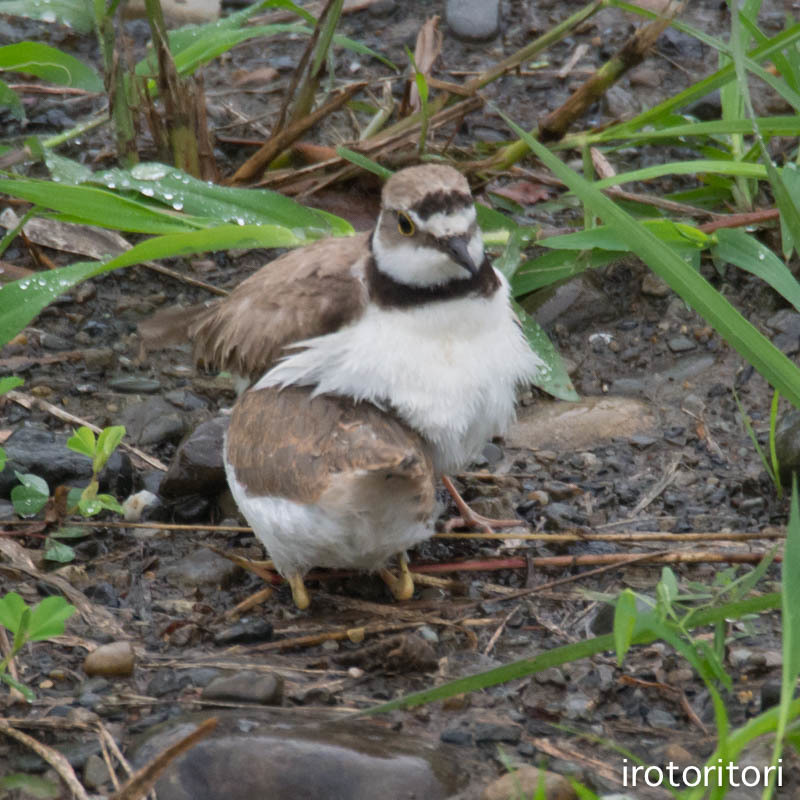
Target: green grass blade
pixel 762 52
pixel 76 14
pixel 568 653
pixel 734 168
pixel 790 616
pixel 100 207
pixel 182 192
pixel 10 99
pixel 552 377
pixel 746 252
pixel 689 284
pixel 767 126
pixel 49 64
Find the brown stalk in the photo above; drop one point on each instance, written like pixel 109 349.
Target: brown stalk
pixel 555 124
pixel 283 138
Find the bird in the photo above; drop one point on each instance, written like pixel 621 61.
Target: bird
pixel 369 366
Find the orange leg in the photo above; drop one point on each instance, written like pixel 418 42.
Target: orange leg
pixel 469 519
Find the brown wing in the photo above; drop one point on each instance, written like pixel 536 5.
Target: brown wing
pixel 306 292
pixel 286 443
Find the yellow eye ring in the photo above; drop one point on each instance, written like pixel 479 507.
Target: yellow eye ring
pixel 404 224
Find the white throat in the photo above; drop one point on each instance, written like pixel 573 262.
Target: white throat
pixel 449 369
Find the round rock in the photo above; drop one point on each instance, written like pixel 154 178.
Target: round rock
pixel 247 687
pixel 473 20
pixel 114 659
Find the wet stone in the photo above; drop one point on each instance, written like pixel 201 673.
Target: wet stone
pixel 166 681
pixel 681 344
pixel 44 454
pixel 459 736
pixel 273 756
pixel 197 467
pixel 152 422
pixel 134 384
pixel 496 732
pixel 201 568
pixel 245 631
pixel 246 687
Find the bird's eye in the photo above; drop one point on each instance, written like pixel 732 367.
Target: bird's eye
pixel 404 224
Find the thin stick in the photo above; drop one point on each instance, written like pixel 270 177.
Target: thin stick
pixel 55 759
pixel 140 783
pixel 638 536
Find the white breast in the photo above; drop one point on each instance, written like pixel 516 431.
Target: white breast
pixel 449 369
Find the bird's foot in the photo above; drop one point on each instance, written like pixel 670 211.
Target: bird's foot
pixel 299 592
pixel 471 519
pixel 402 587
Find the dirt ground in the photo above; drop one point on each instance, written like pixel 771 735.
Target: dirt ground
pixel 676 459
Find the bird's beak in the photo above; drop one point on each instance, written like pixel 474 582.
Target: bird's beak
pixel 458 248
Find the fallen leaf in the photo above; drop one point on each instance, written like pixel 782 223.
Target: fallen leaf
pixel 247 77
pixel 526 193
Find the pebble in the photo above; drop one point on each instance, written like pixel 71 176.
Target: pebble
pixel 524 782
pixel 572 305
pixel 785 321
pixel 577 705
pixel 245 631
pixel 620 103
pixel 98 358
pixel 197 467
pixel 473 20
pixel 246 687
pixel 165 681
pixel 50 341
pixel 134 384
pixel 459 736
pixel 262 755
pixel 95 772
pixel 687 367
pixel 654 285
pixel 135 505
pixel 681 344
pixel 496 732
pixel 153 421
pixel 201 568
pixel 115 658
pixel 659 718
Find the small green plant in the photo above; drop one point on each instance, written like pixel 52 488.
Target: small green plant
pixel 44 621
pixel 87 501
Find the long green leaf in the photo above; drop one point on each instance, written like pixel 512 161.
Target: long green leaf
pixel 747 253
pixel 552 376
pixel 43 61
pixel 568 653
pixel 93 206
pixel 23 299
pixel 75 14
pixel 685 281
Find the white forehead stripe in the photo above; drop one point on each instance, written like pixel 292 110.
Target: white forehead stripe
pixel 442 225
